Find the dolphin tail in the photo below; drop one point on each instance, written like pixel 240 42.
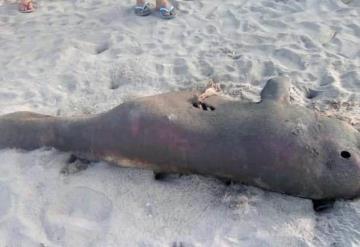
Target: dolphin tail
pixel 26 130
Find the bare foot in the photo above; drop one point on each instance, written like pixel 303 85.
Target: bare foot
pixel 162 4
pixel 167 11
pixel 26 6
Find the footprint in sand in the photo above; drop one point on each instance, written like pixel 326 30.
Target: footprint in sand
pixel 81 214
pixel 6 96
pixel 206 69
pixel 5 201
pixel 289 59
pixel 307 42
pixel 318 32
pixel 69 82
pixel 230 21
pixel 211 29
pixel 85 203
pixel 351 81
pixel 196 39
pixel 327 79
pixel 100 48
pixel 180 66
pixel 229 68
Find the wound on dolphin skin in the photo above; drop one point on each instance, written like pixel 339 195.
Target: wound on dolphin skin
pixel 345 154
pixel 196 105
pixel 204 106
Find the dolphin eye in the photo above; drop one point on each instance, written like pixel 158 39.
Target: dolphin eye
pixel 345 154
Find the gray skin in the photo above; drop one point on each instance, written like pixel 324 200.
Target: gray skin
pixel 271 144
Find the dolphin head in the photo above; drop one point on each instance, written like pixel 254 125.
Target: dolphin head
pixel 340 145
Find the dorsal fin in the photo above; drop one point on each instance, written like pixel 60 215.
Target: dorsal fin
pixel 276 89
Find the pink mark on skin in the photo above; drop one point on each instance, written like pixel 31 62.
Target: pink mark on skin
pixel 159 133
pixel 135 127
pixel 172 138
pixel 281 149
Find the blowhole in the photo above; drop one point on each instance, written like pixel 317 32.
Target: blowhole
pixel 345 154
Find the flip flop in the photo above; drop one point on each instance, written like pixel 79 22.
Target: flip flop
pixel 143 10
pixel 167 13
pixel 28 7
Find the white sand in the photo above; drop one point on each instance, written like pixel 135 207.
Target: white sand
pixel 75 57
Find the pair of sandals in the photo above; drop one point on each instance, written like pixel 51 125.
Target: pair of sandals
pixel 146 9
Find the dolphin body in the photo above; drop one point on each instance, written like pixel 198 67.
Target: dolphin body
pixel 271 144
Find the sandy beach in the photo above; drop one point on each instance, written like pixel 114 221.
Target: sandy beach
pixel 74 57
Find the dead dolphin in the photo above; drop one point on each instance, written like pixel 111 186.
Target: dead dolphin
pixel 271 144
